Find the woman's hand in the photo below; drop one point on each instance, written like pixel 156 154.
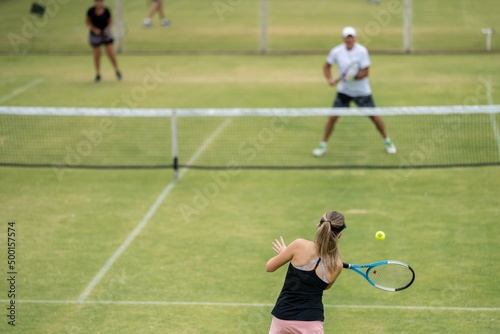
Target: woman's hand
pixel 285 254
pixel 279 245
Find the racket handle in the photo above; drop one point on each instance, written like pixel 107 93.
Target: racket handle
pixel 346 265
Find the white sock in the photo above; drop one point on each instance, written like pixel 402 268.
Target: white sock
pixel 323 143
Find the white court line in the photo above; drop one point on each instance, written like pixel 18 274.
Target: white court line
pixel 21 90
pixel 228 304
pixel 147 217
pixel 209 140
pixel 126 243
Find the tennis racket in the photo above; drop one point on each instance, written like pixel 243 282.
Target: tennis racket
pixel 386 275
pixel 349 72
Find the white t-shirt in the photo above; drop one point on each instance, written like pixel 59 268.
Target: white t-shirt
pixel 342 57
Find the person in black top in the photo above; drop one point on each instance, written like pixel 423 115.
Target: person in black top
pixel 99 22
pixel 314 267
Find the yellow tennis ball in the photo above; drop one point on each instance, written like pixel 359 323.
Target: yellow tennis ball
pixel 380 235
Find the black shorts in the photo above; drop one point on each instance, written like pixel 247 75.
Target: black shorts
pixel 98 40
pixel 343 101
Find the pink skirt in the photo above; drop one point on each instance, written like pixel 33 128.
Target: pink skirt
pixel 279 326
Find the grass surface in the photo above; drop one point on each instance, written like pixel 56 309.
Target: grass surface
pixel 244 81
pixel 208 242
pixel 197 263
pixel 224 25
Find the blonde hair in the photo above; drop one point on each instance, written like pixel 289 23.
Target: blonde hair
pixel 327 236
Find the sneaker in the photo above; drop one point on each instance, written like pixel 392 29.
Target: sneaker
pixel 147 22
pixel 118 75
pixel 165 22
pixel 97 78
pixel 389 147
pixel 320 150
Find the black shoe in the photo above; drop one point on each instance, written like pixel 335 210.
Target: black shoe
pixel 97 78
pixel 118 75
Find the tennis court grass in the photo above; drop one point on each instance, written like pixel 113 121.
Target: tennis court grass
pixel 235 25
pixel 197 265
pixel 196 262
pixel 202 81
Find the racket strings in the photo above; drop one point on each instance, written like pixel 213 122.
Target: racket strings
pixel 391 275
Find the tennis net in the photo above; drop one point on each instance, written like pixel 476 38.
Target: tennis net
pixel 247 138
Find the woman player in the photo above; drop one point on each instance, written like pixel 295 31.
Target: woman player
pixel 99 22
pixel 314 267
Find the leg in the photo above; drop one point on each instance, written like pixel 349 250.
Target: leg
pixel 379 124
pixel 341 100
pixel 97 61
pixel 163 19
pixel 329 126
pixel 367 101
pixel 152 10
pixel 155 6
pixel 112 57
pixel 389 146
pixel 160 9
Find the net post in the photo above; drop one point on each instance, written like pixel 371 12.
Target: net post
pixel 488 32
pixel 407 26
pixel 175 161
pixel 263 27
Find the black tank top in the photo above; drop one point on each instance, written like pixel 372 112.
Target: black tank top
pixel 301 296
pixel 99 21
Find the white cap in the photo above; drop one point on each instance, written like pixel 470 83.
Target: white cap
pixel 348 31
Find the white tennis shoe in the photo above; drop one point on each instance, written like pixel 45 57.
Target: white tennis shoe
pixel 147 22
pixel 320 150
pixel 389 146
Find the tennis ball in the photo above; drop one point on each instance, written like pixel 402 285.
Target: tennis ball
pixel 380 235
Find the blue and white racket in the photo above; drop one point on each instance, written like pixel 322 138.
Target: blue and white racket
pixel 386 275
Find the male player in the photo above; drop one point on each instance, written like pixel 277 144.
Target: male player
pixel 357 89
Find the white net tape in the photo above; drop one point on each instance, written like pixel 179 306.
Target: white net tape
pixel 235 112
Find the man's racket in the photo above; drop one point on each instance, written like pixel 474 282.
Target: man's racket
pixel 386 275
pixel 349 72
